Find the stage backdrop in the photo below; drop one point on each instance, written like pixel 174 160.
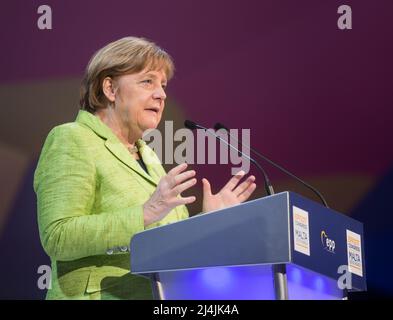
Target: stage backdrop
pixel 317 99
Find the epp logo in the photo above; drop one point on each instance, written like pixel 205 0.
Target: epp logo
pixel 328 244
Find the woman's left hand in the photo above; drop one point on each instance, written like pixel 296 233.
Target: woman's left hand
pixel 232 193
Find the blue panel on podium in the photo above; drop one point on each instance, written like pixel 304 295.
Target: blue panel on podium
pixel 220 283
pixel 332 241
pixel 320 247
pixel 256 232
pixel 245 282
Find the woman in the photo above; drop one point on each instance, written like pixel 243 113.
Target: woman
pixel 98 183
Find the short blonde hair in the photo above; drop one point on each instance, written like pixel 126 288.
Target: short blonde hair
pixel 124 56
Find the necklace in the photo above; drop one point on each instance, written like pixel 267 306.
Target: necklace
pixel 133 149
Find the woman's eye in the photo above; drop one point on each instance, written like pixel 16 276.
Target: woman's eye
pixel 149 81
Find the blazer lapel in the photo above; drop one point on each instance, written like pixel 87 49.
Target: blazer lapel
pixel 122 154
pixel 113 144
pixel 151 160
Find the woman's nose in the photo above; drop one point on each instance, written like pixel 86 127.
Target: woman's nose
pixel 159 93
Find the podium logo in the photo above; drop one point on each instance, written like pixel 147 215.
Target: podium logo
pixel 354 252
pixel 301 231
pixel 328 244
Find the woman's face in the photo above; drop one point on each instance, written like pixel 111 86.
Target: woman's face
pixel 140 100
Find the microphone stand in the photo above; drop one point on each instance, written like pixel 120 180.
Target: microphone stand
pixel 279 270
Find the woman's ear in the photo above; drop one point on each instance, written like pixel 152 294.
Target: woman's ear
pixel 108 88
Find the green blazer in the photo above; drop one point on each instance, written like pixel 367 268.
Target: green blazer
pixel 90 193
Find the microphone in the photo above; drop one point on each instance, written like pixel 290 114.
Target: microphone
pixel 268 186
pixel 219 126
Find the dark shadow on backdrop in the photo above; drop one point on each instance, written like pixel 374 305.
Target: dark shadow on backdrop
pixel 376 212
pixel 20 247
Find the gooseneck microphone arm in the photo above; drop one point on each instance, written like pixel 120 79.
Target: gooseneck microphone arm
pixel 219 126
pixel 268 186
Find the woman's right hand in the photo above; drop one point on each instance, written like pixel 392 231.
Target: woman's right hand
pixel 167 194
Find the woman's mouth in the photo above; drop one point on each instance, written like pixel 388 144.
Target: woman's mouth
pixel 153 109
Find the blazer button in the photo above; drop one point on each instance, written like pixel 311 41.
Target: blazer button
pixel 109 251
pixel 124 249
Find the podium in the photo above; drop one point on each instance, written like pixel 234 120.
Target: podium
pixel 282 246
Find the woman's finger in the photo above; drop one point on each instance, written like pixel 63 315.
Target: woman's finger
pixel 170 178
pixel 182 187
pixel 183 176
pixel 232 183
pixel 207 190
pixel 176 170
pixel 243 186
pixel 187 200
pixel 247 193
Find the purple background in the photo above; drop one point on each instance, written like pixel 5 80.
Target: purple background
pixel 317 99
